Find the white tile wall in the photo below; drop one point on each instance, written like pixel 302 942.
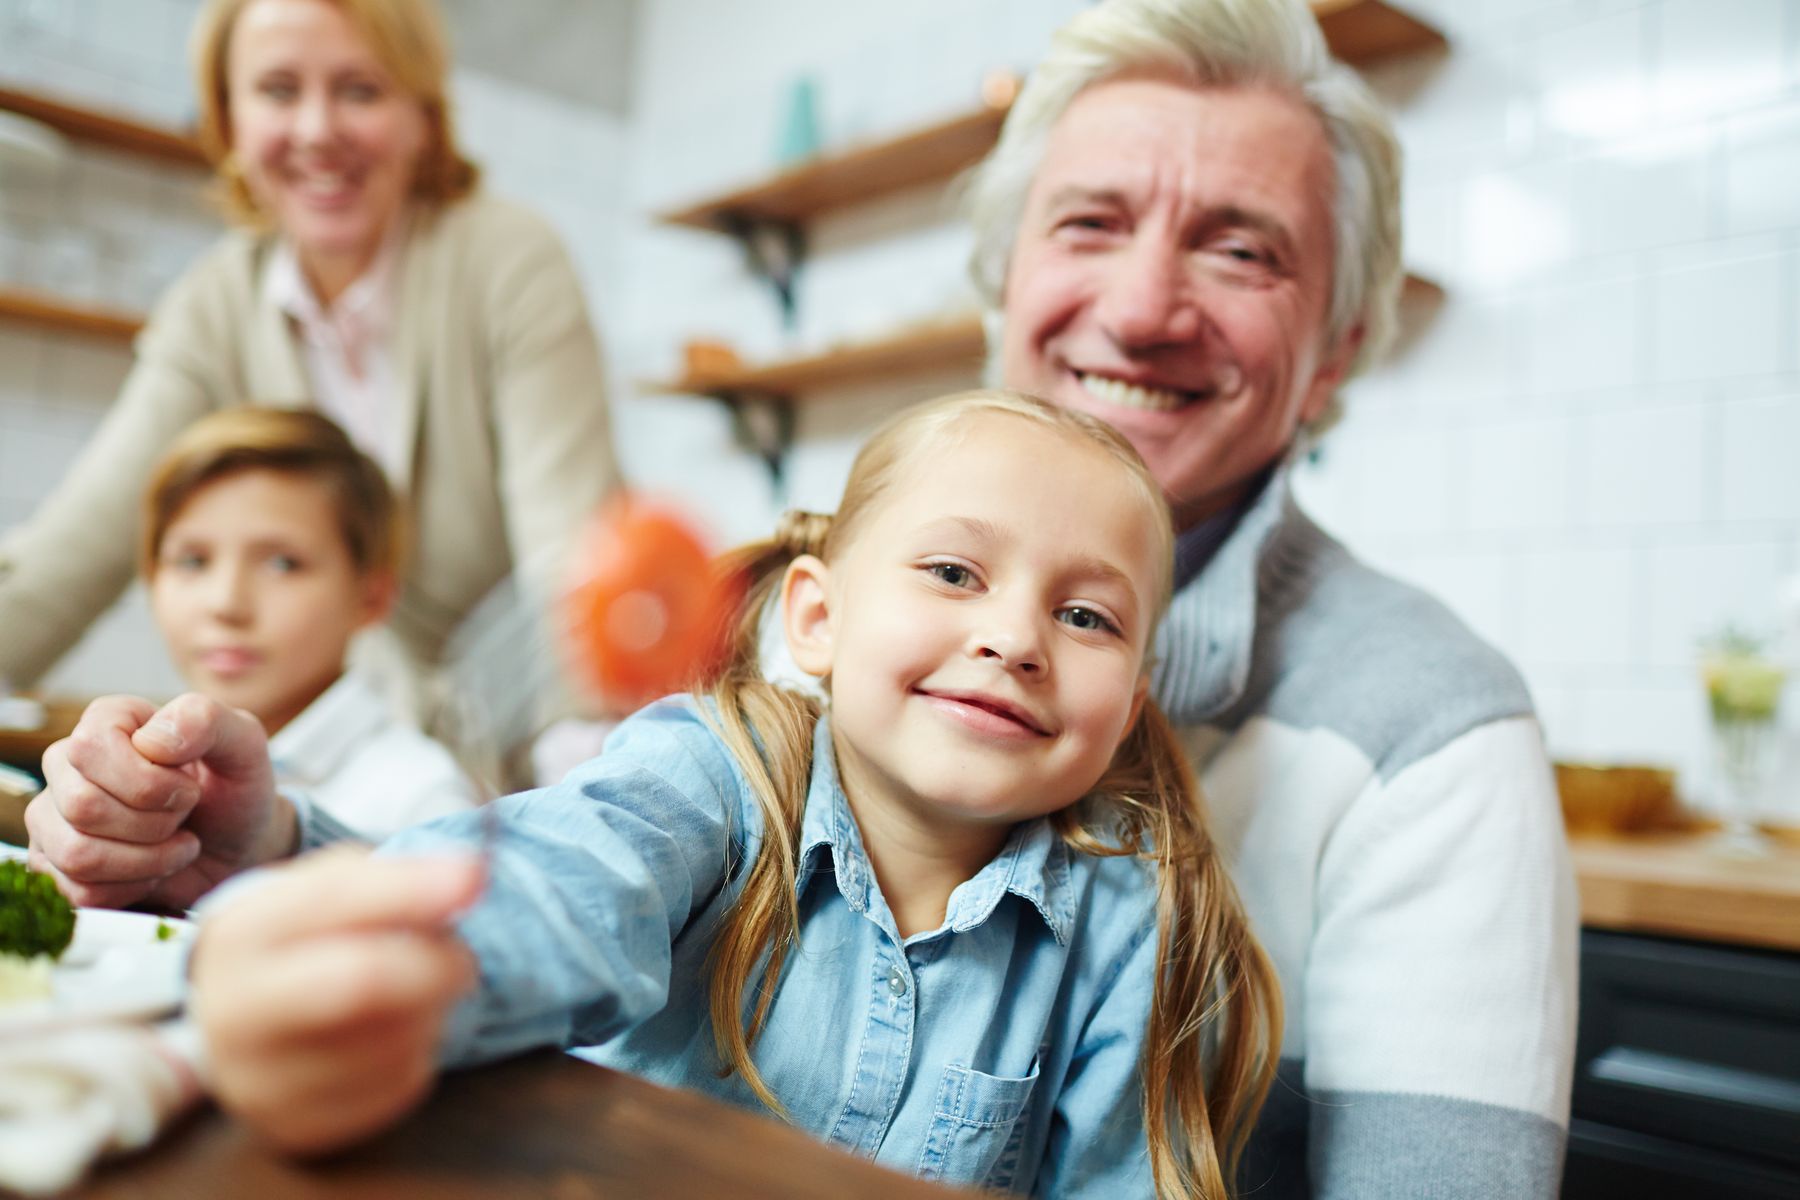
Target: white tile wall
pixel 1590 451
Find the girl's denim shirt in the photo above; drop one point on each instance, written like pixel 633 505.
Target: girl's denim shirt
pixel 1000 1049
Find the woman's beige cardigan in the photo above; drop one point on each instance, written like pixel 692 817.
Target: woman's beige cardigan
pixel 501 399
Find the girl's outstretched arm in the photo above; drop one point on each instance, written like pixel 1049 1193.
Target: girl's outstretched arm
pixel 322 993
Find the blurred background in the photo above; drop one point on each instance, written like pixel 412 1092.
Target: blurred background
pixel 1589 444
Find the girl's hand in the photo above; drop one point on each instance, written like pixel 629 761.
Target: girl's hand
pixel 322 995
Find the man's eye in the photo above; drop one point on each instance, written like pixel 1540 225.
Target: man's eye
pixel 954 574
pixel 1088 619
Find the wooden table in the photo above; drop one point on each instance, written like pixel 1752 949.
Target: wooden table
pixel 25 747
pixel 544 1125
pixel 1676 884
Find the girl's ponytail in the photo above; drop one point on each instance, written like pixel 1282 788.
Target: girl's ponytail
pixel 769 731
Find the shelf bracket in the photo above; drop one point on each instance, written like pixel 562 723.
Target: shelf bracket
pixel 763 423
pixel 773 250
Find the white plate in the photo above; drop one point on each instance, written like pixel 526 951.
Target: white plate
pixel 115 969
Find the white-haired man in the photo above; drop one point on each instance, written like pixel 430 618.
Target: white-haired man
pixel 1190 227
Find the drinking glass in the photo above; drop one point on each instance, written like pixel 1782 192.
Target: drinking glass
pixel 1743 691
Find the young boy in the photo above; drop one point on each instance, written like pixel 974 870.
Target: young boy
pixel 269 541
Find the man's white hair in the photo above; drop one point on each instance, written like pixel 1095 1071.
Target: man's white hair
pixel 1211 43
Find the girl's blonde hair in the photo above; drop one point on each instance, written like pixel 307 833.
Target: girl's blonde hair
pixel 407 36
pixel 1216 1000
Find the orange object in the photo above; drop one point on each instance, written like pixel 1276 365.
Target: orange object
pixel 649 611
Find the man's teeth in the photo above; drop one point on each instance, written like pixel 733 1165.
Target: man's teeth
pixel 1130 395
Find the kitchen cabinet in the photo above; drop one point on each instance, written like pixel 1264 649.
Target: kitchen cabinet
pixel 1687 1066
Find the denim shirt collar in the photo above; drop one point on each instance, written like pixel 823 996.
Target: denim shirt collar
pixel 1033 864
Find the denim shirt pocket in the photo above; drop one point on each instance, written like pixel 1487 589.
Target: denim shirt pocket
pixel 976 1127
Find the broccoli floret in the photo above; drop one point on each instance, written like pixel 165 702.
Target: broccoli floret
pixel 35 918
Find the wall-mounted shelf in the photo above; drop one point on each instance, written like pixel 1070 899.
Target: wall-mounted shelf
pixel 105 129
pixel 48 312
pixel 1363 32
pixel 1358 31
pixel 948 344
pixel 859 173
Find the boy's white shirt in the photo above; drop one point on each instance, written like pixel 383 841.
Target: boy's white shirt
pixel 354 756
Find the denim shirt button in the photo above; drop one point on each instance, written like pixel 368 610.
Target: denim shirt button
pixel 897 981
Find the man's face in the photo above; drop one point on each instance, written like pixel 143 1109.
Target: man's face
pixel 1172 276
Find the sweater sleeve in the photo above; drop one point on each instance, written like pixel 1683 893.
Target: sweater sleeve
pixel 1440 991
pixel 62 568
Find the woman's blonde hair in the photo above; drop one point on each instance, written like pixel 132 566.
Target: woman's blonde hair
pixel 1216 1001
pixel 1211 43
pixel 290 442
pixel 407 36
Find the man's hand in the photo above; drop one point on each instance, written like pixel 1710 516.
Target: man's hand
pixel 323 993
pixel 157 805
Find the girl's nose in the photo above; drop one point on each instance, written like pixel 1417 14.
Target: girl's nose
pixel 1015 641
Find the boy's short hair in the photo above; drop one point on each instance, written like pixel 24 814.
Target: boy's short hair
pixel 290 441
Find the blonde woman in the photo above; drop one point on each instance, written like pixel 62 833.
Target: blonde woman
pixel 368 277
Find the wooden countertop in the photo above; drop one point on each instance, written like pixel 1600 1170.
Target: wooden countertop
pixel 1676 884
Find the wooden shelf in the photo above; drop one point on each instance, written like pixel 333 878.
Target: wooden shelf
pixel 1361 32
pixel 947 344
pixel 48 312
pixel 860 173
pixel 105 129
pixel 1358 31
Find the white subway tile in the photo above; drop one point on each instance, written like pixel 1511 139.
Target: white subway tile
pixel 1759 476
pixel 1647 191
pixel 1518 224
pixel 1594 77
pixel 1658 724
pixel 1762 176
pixel 1721 319
pixel 32 462
pixel 1717 55
pixel 1583 337
pixel 1581 607
pixel 21 365
pixel 1646 467
pixel 1413 480
pixel 1696 590
pixel 1520 474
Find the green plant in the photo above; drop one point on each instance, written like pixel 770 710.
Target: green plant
pixel 35 918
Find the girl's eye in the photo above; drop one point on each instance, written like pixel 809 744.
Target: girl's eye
pixel 360 92
pixel 1087 619
pixel 283 564
pixel 188 562
pixel 954 574
pixel 278 89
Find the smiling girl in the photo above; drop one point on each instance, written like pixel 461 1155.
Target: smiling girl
pixel 965 920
